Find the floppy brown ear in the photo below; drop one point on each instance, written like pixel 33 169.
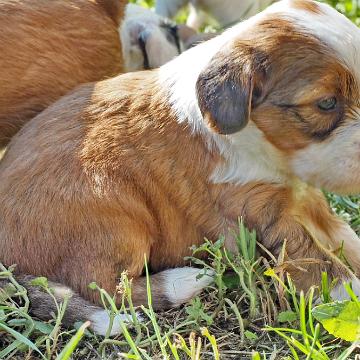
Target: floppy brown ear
pixel 229 87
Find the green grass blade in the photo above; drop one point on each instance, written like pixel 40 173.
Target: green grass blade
pixel 21 338
pixel 173 349
pixel 18 345
pixel 325 291
pixel 130 341
pixel 302 309
pixel 345 355
pixel 73 343
pixel 211 338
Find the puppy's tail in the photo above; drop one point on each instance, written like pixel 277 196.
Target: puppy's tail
pixel 170 288
pixel 115 9
pixel 77 310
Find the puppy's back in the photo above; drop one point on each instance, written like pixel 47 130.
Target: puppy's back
pixel 49 47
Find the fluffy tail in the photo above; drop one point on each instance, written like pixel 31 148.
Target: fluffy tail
pixel 42 306
pixel 169 288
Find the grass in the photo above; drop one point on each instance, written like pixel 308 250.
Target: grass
pixel 249 313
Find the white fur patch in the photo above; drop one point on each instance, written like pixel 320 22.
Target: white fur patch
pixel 62 291
pixel 333 165
pixel 100 322
pixel 248 157
pixel 339 292
pixel 182 284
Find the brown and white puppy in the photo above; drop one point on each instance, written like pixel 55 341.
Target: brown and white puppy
pixel 225 12
pixel 150 40
pixel 251 124
pixel 49 47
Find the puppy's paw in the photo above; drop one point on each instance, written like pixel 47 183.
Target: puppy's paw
pixel 339 292
pixel 182 284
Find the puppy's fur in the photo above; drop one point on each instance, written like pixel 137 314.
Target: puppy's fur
pixel 152 162
pixel 150 40
pixel 49 47
pixel 225 12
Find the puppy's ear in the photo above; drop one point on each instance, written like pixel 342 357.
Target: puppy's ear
pixel 229 87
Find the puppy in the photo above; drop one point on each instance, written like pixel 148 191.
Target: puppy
pixel 49 47
pixel 150 40
pixel 226 12
pixel 249 124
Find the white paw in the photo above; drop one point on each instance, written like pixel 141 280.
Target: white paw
pixel 100 322
pixel 182 284
pixel 339 292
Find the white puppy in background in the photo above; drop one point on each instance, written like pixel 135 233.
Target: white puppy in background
pixel 225 12
pixel 150 40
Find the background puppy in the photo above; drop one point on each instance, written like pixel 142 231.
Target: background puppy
pixel 150 40
pixel 226 12
pixel 152 162
pixel 49 47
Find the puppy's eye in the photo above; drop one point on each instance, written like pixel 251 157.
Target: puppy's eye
pixel 327 104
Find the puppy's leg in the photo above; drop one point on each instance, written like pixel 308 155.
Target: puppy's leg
pixel 306 258
pixel 342 236
pixel 172 287
pixel 333 233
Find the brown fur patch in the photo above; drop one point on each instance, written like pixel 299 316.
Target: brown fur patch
pixel 310 6
pixel 43 57
pixel 114 8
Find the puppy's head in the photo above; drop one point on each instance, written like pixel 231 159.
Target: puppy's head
pixel 293 76
pixel 149 40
